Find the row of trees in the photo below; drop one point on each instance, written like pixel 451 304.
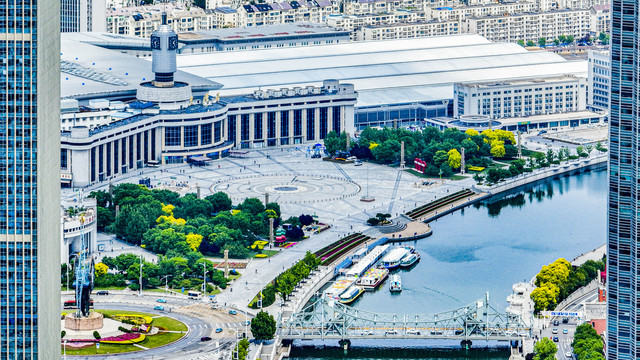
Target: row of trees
pixel 539 160
pixel 177 272
pixel 439 149
pixel 545 349
pixel 168 224
pixel 285 283
pixel 587 344
pixel 559 279
pixel 603 38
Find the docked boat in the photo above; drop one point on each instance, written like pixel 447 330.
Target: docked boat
pixel 409 260
pixel 394 257
pixel 373 278
pixel 338 288
pixel 351 294
pixel 395 283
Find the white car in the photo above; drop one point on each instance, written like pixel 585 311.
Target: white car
pixel 413 332
pixel 390 332
pixel 569 354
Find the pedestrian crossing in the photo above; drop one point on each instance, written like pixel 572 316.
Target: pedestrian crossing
pixel 215 318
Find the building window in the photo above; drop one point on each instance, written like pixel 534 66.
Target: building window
pixel 336 119
pixel 108 167
pixel 191 136
pixel 311 124
pixel 257 126
pixel 231 128
pixel 284 124
pixel 172 136
pixel 271 125
pixel 93 164
pixel 297 122
pixel 323 122
pixel 217 131
pixel 205 134
pixel 244 127
pixel 63 159
pixel 116 159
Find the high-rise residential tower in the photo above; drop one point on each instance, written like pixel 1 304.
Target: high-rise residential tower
pixel 29 179
pixel 623 326
pixel 83 15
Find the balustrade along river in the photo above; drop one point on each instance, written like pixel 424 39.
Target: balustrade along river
pixel 488 246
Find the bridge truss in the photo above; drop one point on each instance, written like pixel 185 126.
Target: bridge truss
pixel 329 319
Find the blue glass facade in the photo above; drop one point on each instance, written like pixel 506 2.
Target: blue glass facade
pixel 622 318
pixel 22 316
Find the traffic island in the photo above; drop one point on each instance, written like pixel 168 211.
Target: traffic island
pixel 122 332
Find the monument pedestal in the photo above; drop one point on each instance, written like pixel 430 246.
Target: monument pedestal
pixel 92 322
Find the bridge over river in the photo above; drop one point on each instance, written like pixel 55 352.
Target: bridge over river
pixel 327 319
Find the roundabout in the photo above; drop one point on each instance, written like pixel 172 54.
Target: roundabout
pixel 288 188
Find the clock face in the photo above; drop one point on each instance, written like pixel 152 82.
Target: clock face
pixel 155 43
pixel 173 43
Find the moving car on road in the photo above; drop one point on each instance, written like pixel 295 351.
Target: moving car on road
pixel 164 301
pixel 158 307
pixel 218 330
pixel 205 338
pixel 233 312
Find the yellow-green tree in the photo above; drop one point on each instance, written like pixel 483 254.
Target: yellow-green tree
pixel 556 273
pixel 194 241
pixel 455 159
pixel 472 132
pixel 544 297
pixel 497 148
pixel 101 269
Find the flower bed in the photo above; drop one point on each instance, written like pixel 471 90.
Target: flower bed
pixel 131 338
pixel 235 265
pixel 136 319
pixel 288 245
pixel 261 255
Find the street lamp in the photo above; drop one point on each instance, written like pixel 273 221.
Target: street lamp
pixel 140 290
pixel 166 283
pixel 204 281
pixel 65 350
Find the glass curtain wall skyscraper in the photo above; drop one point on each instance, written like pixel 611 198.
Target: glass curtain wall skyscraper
pixel 29 179
pixel 624 127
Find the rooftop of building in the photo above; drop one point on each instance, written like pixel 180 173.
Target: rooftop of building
pixel 521 82
pixel 415 23
pixel 383 72
pixel 285 5
pixel 92 67
pixel 254 32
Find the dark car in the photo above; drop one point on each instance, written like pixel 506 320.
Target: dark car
pixel 555 339
pixel 102 292
pixel 556 322
pixel 205 338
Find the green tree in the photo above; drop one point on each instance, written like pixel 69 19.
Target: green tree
pixel 542 42
pixel 285 284
pixel 334 142
pixel 440 157
pixel 126 190
pixel 130 225
pixel 103 198
pixel 570 39
pixel 455 159
pixel 520 42
pixel 556 41
pixel 219 201
pixel 388 151
pixel 190 207
pixel 242 349
pixel 252 206
pixel 539 158
pixel 563 39
pixel 530 43
pixel 263 326
pixel 551 155
pixel 105 218
pixel 545 349
pixel 588 149
pixel 600 147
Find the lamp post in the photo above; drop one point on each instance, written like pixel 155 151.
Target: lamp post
pixel 140 291
pixel 204 281
pixel 166 283
pixel 65 350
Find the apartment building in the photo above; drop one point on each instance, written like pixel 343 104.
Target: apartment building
pixel 286 12
pixel 520 98
pixel 599 79
pixel 143 20
pixel 600 19
pixel 531 26
pixel 407 30
pixel 355 22
pixel 462 12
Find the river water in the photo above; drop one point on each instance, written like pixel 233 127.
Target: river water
pixel 485 247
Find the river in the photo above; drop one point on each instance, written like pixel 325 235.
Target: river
pixel 488 246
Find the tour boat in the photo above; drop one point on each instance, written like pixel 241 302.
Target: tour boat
pixel 409 260
pixel 351 294
pixel 395 283
pixel 372 278
pixel 393 258
pixel 338 288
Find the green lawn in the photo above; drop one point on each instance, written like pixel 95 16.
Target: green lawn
pixel 161 339
pixel 452 177
pixel 152 341
pixel 269 253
